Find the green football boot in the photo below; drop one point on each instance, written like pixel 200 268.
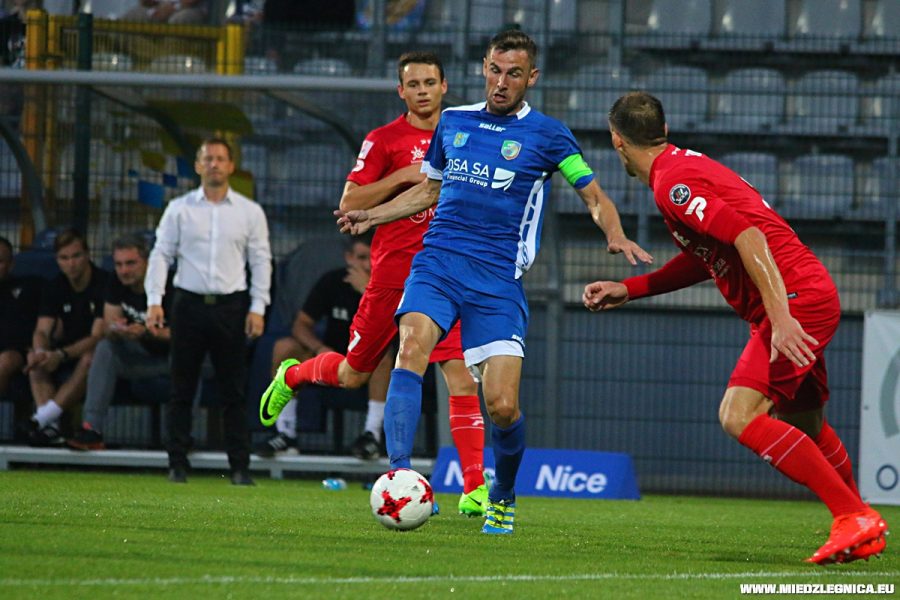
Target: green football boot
pixel 474 503
pixel 276 395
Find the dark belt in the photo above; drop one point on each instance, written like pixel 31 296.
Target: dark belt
pixel 212 298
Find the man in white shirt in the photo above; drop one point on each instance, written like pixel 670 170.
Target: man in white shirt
pixel 214 233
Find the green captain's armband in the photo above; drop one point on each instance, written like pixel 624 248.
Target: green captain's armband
pixel 576 171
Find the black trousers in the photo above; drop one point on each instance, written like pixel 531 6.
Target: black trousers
pixel 213 324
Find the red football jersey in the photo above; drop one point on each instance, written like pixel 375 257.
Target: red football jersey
pixel 385 150
pixel 707 205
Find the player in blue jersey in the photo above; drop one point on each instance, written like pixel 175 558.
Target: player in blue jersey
pixel 488 168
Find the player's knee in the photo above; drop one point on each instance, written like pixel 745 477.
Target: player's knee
pixel 503 409
pixel 412 355
pixel 733 421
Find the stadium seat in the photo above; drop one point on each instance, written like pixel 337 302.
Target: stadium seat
pixel 825 102
pixel 106 9
pixel 683 92
pixel 759 18
pixel 759 169
pixel 749 99
pixel 881 29
pixel 880 105
pixel 111 61
pixel 678 23
pixel 877 189
pixel 826 25
pixel 884 22
pixel 821 19
pixel 36 262
pixel 532 14
pixel 308 175
pixel 817 186
pixel 591 94
pixel 178 63
pixel 259 65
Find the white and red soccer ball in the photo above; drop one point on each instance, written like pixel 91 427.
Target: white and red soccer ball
pixel 401 499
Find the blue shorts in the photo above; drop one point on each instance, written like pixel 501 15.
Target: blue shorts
pixel 491 308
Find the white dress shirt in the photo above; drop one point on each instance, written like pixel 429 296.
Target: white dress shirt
pixel 212 242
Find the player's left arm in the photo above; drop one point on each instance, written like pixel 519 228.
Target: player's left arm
pixel 788 336
pixel 414 200
pixel 605 215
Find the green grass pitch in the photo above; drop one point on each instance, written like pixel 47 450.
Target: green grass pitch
pixel 134 535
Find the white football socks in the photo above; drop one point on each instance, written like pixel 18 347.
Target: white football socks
pixel 375 418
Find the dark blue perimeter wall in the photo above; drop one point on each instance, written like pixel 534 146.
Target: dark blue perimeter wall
pixel 649 383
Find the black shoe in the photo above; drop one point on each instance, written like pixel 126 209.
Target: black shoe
pixel 46 437
pixel 241 477
pixel 366 447
pixel 86 439
pixel 178 474
pixel 277 444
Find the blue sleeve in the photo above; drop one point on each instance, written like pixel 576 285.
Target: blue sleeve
pixel 562 144
pixel 434 161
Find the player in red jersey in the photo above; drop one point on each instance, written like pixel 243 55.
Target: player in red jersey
pixel 389 163
pixel 774 403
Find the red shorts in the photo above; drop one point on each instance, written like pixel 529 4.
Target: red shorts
pixel 373 328
pixel 791 388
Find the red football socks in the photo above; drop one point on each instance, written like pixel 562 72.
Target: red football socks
pixel 321 370
pixel 836 455
pixel 795 455
pixel 467 429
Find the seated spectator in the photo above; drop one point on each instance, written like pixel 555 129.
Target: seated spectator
pixel 183 12
pixel 334 298
pixel 18 312
pixel 69 325
pixel 129 349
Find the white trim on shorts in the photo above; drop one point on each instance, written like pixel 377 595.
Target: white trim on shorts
pixel 476 356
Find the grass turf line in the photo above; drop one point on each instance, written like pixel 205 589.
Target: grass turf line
pixel 72 534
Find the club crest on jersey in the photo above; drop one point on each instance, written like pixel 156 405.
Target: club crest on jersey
pixel 510 149
pixel 679 194
pixel 460 139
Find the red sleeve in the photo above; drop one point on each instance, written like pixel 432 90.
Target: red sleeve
pixel 680 272
pixel 699 207
pixel 373 161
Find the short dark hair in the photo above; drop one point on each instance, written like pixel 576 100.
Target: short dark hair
pixel 7 243
pixel 67 237
pixel 639 118
pixel 213 141
pixel 132 240
pixel 514 39
pixel 418 58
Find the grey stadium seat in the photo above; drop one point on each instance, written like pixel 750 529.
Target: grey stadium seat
pixel 759 169
pixel 828 18
pixel 750 99
pixel 825 101
pixel 743 18
pixel 680 17
pixel 684 95
pixel 592 94
pixel 878 188
pixel 818 186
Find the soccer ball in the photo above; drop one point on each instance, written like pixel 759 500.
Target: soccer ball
pixel 401 499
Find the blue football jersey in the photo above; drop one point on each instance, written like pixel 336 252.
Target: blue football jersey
pixel 495 173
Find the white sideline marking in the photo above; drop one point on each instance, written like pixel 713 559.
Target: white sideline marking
pixel 219 580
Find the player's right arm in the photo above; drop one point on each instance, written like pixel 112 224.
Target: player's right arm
pixel 788 336
pixel 362 197
pixel 414 200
